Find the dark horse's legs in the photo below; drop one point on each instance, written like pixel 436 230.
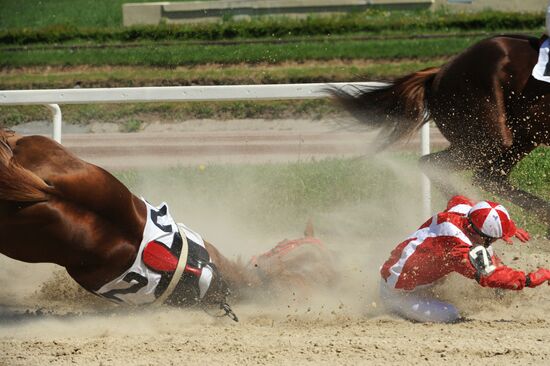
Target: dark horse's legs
pixel 493 177
pixel 485 103
pixel 493 113
pixel 521 198
pixel 435 166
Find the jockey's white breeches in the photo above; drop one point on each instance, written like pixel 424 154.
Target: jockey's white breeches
pixel 417 305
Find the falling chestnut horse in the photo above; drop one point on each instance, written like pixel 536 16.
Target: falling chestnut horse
pixel 56 208
pixel 484 101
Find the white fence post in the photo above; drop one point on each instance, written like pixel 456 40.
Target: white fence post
pixel 426 185
pixel 57 121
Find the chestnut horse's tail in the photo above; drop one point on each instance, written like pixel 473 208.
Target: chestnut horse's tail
pixel 17 183
pixel 399 108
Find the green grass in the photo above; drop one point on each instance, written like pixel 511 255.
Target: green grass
pixel 81 13
pixel 173 56
pixel 169 112
pixel 131 125
pixel 283 195
pixel 271 195
pixel 210 74
pixel 533 173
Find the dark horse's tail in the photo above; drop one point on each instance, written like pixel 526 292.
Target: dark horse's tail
pixel 17 183
pixel 399 108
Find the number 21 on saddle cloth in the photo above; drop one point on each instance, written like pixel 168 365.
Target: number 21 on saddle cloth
pixel 172 265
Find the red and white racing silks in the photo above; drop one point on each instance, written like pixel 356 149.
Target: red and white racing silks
pixel 439 247
pixel 460 205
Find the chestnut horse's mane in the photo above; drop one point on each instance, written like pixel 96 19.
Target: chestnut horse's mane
pixel 17 183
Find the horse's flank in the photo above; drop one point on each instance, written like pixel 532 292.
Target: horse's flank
pixel 56 208
pixel 17 183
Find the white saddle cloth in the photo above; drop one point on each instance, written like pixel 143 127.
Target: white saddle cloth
pixel 541 71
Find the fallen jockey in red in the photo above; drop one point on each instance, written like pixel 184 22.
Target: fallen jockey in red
pixel 452 241
pixel 297 265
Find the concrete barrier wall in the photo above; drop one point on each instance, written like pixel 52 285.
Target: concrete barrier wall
pixel 502 5
pixel 212 11
pixel 209 11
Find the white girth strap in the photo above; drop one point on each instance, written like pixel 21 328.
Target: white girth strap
pixel 182 261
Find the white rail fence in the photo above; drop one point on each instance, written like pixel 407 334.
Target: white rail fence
pixel 51 98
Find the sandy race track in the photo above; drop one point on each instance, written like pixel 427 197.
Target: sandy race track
pixel 46 319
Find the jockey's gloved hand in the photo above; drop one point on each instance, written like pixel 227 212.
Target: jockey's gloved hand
pixel 538 277
pixel 522 235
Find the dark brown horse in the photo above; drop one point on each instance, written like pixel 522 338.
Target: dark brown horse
pixel 57 208
pixel 484 101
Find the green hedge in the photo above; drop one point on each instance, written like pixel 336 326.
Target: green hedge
pixel 370 21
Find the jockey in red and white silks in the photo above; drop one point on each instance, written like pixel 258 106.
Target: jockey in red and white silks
pixel 451 241
pixel 460 205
